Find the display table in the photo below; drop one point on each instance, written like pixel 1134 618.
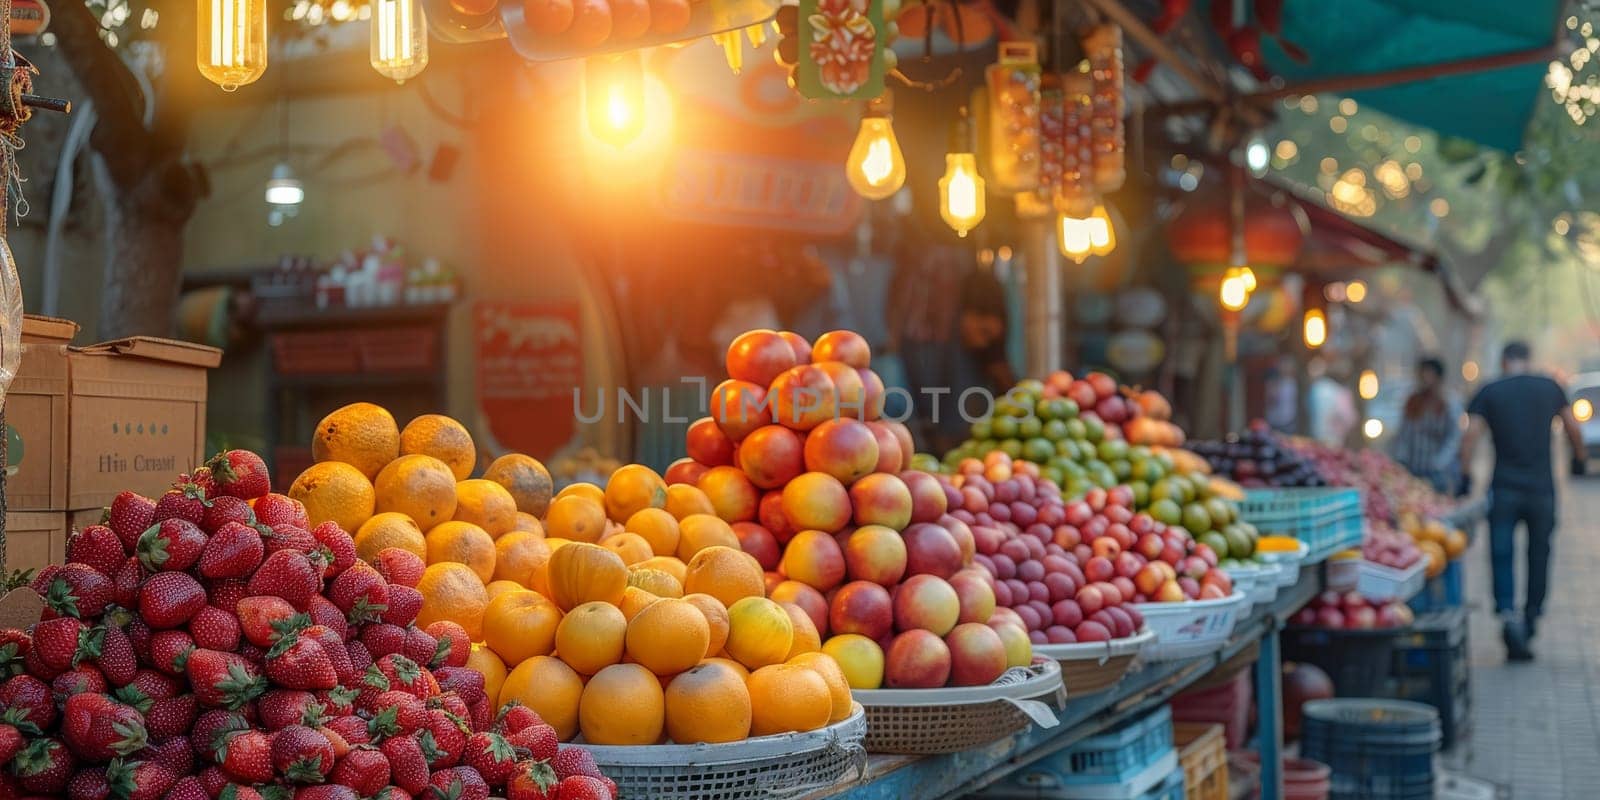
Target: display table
pixel 892 777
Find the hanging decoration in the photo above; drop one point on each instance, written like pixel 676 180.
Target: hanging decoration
pixel 399 48
pixel 232 41
pixel 1108 105
pixel 1014 102
pixel 842 53
pixel 1052 106
pixel 1074 191
pixel 875 167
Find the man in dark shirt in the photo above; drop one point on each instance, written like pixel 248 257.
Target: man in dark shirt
pixel 1517 409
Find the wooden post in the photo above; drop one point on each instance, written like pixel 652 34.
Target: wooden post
pixel 1042 323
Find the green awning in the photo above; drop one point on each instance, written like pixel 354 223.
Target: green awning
pixel 1360 37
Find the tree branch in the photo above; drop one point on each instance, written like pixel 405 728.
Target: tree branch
pixel 119 136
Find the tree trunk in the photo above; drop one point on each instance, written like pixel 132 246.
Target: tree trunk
pixel 144 251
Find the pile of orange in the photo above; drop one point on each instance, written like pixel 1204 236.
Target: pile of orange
pixel 1440 543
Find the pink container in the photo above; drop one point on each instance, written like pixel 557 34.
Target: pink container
pixel 1228 705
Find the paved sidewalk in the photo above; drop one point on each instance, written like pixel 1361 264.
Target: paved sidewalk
pixel 1536 727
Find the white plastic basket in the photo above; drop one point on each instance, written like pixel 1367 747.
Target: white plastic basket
pixel 1376 581
pixel 762 768
pixel 1192 628
pixel 1249 580
pixel 952 719
pixel 1288 563
pixel 1089 667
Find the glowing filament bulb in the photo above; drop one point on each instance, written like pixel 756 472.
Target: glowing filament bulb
pixel 1316 328
pixel 1102 234
pixel 231 41
pixel 961 201
pixel 399 49
pixel 1367 384
pixel 614 97
pixel 875 167
pixel 1074 237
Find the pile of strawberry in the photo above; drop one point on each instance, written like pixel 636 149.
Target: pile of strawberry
pixel 212 645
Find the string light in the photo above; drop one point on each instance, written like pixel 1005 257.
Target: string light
pixel 1373 428
pixel 1231 293
pixel 1315 328
pixel 1102 233
pixel 1367 384
pixel 1355 291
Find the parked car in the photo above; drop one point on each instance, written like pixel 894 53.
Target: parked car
pixel 1585 394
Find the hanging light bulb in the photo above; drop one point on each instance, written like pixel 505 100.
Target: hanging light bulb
pixel 231 38
pixel 1315 328
pixel 1102 234
pixel 1232 293
pixel 1248 275
pixel 961 192
pixel 613 97
pixel 875 167
pixel 1367 385
pixel 1074 237
pixel 283 188
pixel 399 47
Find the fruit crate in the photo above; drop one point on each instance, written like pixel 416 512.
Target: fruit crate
pixel 1360 661
pixel 1134 762
pixel 1327 519
pixel 1203 755
pixel 1446 591
pixel 1431 667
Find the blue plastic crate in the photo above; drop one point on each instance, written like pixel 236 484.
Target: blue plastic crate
pixel 1444 592
pixel 1127 764
pixel 1170 789
pixel 1327 519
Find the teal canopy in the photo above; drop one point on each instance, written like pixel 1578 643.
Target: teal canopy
pixel 1360 37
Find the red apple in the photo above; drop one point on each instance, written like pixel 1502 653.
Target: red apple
pixel 707 444
pixel 758 542
pixel 758 356
pixel 684 470
pixel 842 345
pixel 797 343
pixel 875 553
pixel 1091 631
pixel 771 456
pixel 1058 634
pixel 740 407
pixel 769 512
pixel 926 602
pixel 1127 564
pixel 931 550
pixel 977 656
pixel 890 459
pixel 1090 599
pixel 1067 612
pixel 807 598
pixel 916 659
pixel 861 607
pixel 847 384
pixel 1099 568
pixel 928 501
pixel 962 533
pixel 804 397
pixel 813 558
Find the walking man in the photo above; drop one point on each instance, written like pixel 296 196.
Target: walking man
pixel 1517 410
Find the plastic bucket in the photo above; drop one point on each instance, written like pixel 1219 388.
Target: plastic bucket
pixel 1304 779
pixel 1375 749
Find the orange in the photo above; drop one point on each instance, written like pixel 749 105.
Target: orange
pixel 591 637
pixel 336 491
pixel 527 522
pixel 520 625
pixel 635 600
pixel 716 615
pixel 696 532
pixel 833 675
pixel 684 499
pixel 726 573
pixel 421 487
pixel 525 478
pixel 657 527
pixel 487 505
pixel 463 542
pixel 580 572
pixel 360 434
pixel 549 687
pixel 1455 543
pixel 634 488
pixel 656 582
pixel 580 519
pixel 517 554
pixel 454 592
pixel 588 490
pixel 759 632
pixel 630 547
pixel 806 638
pixel 668 564
pixel 744 674
pixel 497 588
pixel 787 698
pixel 483 660
pixel 622 704
pixel 708 703
pixel 860 658
pixel 669 636
pixel 443 438
pixel 389 529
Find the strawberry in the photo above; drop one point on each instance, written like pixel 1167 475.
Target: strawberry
pixel 78 590
pixel 186 500
pixel 225 509
pixel 464 681
pixel 337 547
pixel 226 593
pixel 329 791
pixel 274 509
pixel 288 574
pixel 611 786
pixel 405 675
pixel 400 566
pixel 333 645
pixel 11 742
pixel 211 730
pixel 171 716
pixel 361 593
pixel 126 582
pixel 351 728
pixel 176 754
pixel 582 787
pixel 360 656
pixel 459 783
pixel 298 661
pixel 169 651
pixel 233 551
pixel 171 545
pixel 139 780
pixel 403 606
pixel 281 708
pixel 109 648
pixel 187 788
pixel 452 702
pixel 323 612
pixel 213 780
pixel 240 473
pixel 98 728
pixel 513 716
pixel 480 714
pixel 290 537
pixel 574 761
pixel 89 784
pixel 41 579
pixel 263 619
pixel 223 679
pixel 539 740
pixel 408 767
pixel 339 700
pixel 383 639
pixel 337 742
pixel 150 685
pixel 97 546
pixel 169 599
pixel 245 755
pixel 449 736
pixel 14 646
pixel 372 684
pixel 364 769
pixel 43 767
pixel 55 642
pixel 214 629
pixel 128 516
pixel 420 647
pixel 301 754
pixel 392 793
pixel 26 700
pixel 491 755
pixel 398 712
pixel 454 644
pixel 79 679
pixel 531 780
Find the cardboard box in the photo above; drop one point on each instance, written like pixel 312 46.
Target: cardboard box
pixel 35 539
pixel 137 416
pixel 36 418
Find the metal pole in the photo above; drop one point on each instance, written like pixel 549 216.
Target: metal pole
pixel 1269 714
pixel 1043 323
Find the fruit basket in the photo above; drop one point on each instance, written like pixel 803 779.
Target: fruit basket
pixel 1259 582
pixel 754 769
pixel 1192 628
pixel 1376 580
pixel 1288 563
pixel 934 721
pixel 1089 667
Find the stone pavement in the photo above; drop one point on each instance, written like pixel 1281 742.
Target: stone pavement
pixel 1536 727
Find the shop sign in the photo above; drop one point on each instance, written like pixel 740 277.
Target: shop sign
pixel 723 188
pixel 530 359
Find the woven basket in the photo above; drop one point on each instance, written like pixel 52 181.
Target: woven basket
pixel 1095 666
pixel 763 768
pixel 934 721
